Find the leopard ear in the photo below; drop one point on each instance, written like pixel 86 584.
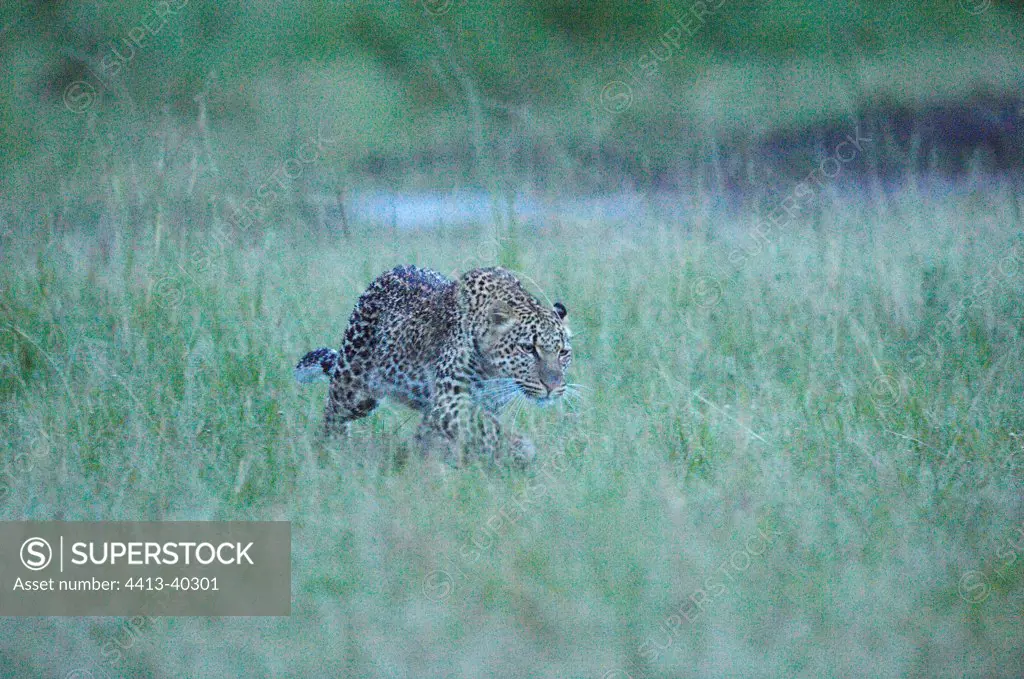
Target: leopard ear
pixel 560 310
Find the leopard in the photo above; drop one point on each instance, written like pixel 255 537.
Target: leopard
pixel 457 350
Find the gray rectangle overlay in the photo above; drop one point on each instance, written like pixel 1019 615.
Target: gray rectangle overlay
pixel 124 568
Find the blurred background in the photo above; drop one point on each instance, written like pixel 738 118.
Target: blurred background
pixel 410 105
pixel 789 237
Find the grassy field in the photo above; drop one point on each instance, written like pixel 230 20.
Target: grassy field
pixel 543 90
pixel 798 455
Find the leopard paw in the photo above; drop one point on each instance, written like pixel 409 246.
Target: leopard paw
pixel 523 451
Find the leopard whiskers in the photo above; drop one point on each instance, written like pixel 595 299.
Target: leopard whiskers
pixel 574 394
pixel 498 391
pixel 571 400
pixel 519 402
pixel 497 386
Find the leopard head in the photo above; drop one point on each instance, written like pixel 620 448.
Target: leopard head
pixel 519 338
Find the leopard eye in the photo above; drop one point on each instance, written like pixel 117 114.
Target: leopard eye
pixel 527 348
pixel 564 353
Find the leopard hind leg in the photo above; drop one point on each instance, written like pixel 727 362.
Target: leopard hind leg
pixel 348 399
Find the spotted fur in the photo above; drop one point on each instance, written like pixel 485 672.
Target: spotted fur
pixel 457 351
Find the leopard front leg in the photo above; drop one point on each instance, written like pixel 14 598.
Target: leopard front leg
pixel 458 430
pixel 437 442
pixel 522 450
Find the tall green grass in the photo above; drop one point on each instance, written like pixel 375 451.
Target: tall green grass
pixel 783 468
pixel 414 89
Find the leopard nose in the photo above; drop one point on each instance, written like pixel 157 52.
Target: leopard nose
pixel 551 381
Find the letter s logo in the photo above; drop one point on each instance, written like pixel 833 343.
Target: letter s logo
pixel 36 554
